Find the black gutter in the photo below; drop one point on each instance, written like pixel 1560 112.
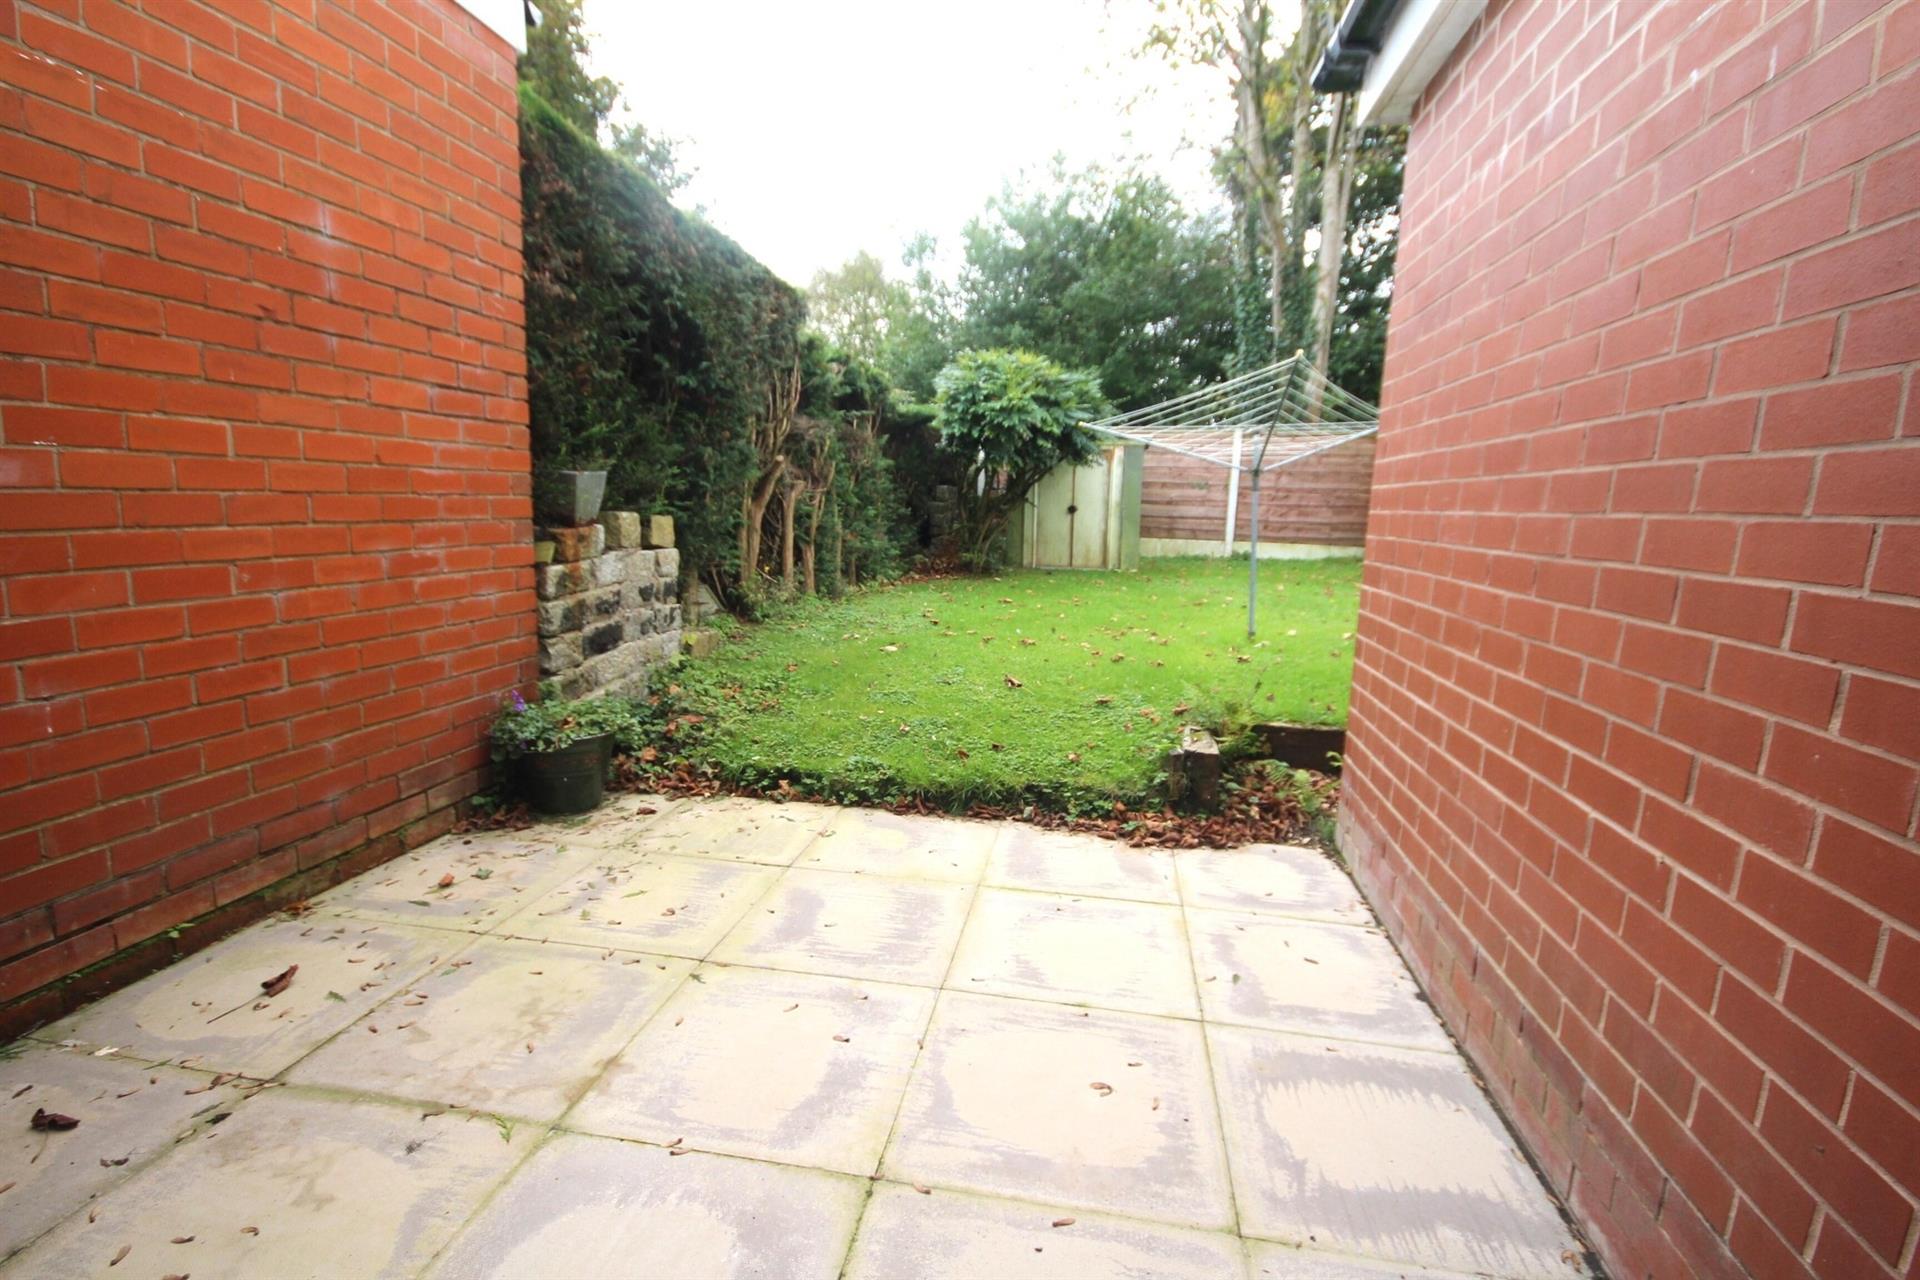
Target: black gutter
pixel 1363 27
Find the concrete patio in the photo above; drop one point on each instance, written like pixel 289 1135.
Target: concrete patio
pixel 733 1038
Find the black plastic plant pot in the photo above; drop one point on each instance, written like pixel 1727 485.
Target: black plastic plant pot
pixel 570 780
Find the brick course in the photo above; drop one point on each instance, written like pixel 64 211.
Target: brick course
pixel 265 527
pixel 1631 769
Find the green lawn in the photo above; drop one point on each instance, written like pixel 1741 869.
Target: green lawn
pixel 910 690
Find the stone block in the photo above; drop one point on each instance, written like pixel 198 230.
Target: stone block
pixel 623 529
pixel 574 543
pixel 1193 771
pixel 604 638
pixel 659 531
pixel 700 642
pixel 559 653
pixel 702 604
pixel 552 581
pixel 612 568
pixel 667 564
pixel 558 617
pixel 603 605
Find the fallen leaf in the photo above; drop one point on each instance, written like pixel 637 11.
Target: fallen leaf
pixel 483 873
pixel 790 1008
pixel 120 1255
pixel 280 981
pixel 1101 1087
pixel 249 1231
pixel 181 1240
pixel 446 881
pixel 107 1164
pixel 889 648
pixel 45 1120
pixel 1013 683
pixel 925 1191
pixel 1063 1222
pixel 843 1040
pixel 7 1186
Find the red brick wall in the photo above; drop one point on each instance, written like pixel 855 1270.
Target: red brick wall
pixel 1322 499
pixel 263 449
pixel 1632 763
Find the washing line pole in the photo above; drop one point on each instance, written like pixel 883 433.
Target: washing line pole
pixel 1253 531
pixel 1253 552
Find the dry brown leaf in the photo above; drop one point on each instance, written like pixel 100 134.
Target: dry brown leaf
pixel 925 1191
pixel 249 1231
pixel 790 1008
pixel 1063 1222
pixel 280 981
pixel 843 1040
pixel 46 1121
pixel 120 1255
pixel 7 1186
pixel 181 1240
pixel 1101 1087
pixel 1012 683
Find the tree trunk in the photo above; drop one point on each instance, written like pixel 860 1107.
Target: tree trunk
pixel 769 445
pixel 817 504
pixel 754 514
pixel 1336 187
pixel 789 509
pixel 1250 129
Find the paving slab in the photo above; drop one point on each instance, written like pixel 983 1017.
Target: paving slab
pixel 511 1027
pixel 1004 1101
pixel 783 1066
pixel 875 842
pixel 1028 857
pixel 1270 879
pixel 209 1010
pixel 948 1034
pixel 1290 1262
pixel 658 903
pixel 952 1233
pixel 852 926
pixel 1326 979
pixel 617 824
pixel 332 1187
pixel 1386 1153
pixel 1101 952
pixel 737 830
pixel 469 883
pixel 129 1112
pixel 598 1209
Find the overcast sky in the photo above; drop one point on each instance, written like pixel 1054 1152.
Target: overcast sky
pixel 821 128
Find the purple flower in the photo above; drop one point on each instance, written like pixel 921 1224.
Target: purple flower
pixel 519 703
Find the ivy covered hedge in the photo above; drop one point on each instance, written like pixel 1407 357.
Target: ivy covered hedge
pixel 652 339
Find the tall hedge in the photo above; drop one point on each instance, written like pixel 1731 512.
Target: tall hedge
pixel 651 337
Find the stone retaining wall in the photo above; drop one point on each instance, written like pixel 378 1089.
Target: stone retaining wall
pixel 609 608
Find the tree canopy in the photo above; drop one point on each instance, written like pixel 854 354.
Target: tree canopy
pixel 1109 273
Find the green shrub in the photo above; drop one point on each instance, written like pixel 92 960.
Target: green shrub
pixel 651 337
pixel 1008 418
